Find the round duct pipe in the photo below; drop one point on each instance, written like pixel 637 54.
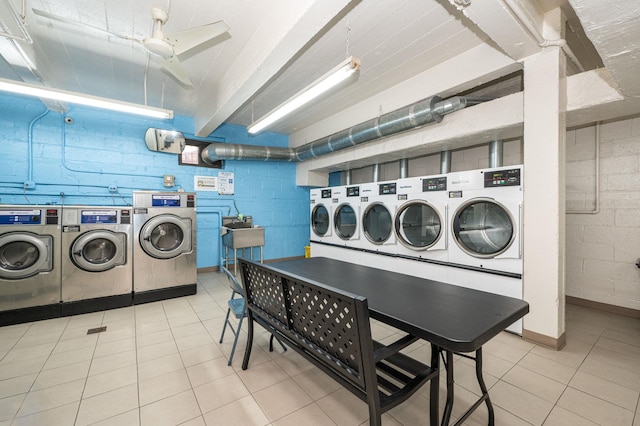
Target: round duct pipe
pixel 495 154
pixel 422 113
pixel 375 173
pixel 347 177
pixel 404 167
pixel 445 162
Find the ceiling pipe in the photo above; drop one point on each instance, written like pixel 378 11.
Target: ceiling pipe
pixel 496 156
pixel 445 162
pixel 375 173
pixel 403 164
pixel 422 113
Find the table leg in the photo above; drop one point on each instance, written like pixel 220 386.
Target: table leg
pixel 448 407
pixel 446 417
pixel 434 390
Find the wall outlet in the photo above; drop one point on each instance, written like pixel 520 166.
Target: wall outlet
pixel 113 188
pixel 29 184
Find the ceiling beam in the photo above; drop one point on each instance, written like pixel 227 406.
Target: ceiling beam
pixel 512 26
pixel 288 28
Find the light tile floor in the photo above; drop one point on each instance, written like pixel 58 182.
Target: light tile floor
pixel 161 364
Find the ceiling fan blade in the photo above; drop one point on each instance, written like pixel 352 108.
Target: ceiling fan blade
pixel 186 40
pixel 76 23
pixel 174 68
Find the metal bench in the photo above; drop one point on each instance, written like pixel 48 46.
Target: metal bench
pixel 331 329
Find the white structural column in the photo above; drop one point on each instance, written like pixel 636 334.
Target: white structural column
pixel 544 200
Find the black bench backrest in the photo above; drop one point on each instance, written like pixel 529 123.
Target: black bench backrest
pixel 330 325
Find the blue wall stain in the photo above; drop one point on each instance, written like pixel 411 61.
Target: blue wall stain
pixel 102 149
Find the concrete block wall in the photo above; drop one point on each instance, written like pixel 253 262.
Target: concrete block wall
pixel 603 241
pixel 102 149
pixel 473 158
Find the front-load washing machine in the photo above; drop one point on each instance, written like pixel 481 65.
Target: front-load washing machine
pixel 97 259
pixel 346 229
pixel 321 221
pixel 29 263
pixel 377 207
pixel 321 215
pixel 344 240
pixel 164 252
pixel 420 227
pixel 485 219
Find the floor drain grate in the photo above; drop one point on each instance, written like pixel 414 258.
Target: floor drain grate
pixel 96 330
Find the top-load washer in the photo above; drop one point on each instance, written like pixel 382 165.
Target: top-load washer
pixel 485 219
pixel 29 263
pixel 97 259
pixel 164 252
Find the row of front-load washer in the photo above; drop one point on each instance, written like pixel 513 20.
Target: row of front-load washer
pixel 59 261
pixel 464 228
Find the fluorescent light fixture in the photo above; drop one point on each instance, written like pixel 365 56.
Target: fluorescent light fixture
pixel 324 83
pixel 81 99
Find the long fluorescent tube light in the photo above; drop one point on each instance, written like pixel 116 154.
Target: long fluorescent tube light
pixel 81 99
pixel 324 83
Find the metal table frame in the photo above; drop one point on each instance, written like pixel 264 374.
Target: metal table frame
pixel 456 320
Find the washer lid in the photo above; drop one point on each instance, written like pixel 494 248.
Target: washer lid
pixel 24 254
pixel 99 250
pixel 166 236
pixel 483 228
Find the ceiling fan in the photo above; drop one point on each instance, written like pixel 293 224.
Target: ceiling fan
pixel 164 48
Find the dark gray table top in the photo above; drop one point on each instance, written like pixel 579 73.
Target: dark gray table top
pixel 453 317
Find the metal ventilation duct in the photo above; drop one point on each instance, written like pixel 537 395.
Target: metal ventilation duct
pixel 422 113
pixel 445 162
pixel 496 153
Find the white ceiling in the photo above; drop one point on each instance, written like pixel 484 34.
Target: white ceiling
pixel 275 48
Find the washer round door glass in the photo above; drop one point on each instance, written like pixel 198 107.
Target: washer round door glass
pixel 377 223
pixel 320 220
pixel 418 225
pixel 23 254
pixel 345 221
pixel 483 228
pixel 166 236
pixel 99 250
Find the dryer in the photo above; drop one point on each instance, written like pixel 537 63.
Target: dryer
pixel 97 260
pixel 485 220
pixel 378 203
pixel 321 215
pixel 420 226
pixel 321 221
pixel 164 252
pixel 345 238
pixel 346 212
pixel 29 263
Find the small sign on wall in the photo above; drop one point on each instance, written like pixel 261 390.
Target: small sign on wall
pixel 225 183
pixel 205 183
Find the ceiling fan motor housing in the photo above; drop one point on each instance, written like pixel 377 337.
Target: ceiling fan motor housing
pixel 158 46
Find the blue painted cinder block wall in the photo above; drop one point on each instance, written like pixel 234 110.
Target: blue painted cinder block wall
pixel 102 149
